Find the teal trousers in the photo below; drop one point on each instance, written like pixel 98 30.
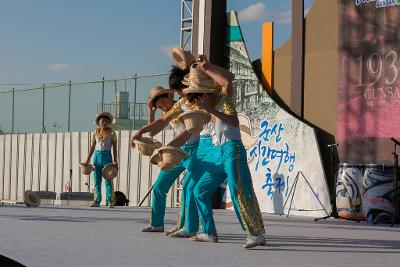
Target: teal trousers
pixel 229 162
pixel 164 181
pixel 100 160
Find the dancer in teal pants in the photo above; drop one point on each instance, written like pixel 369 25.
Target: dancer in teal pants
pixel 188 221
pixel 229 163
pixel 162 99
pixel 191 221
pixel 162 185
pixel 100 160
pixel 227 160
pixel 104 140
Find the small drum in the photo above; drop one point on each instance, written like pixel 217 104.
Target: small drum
pixel 349 191
pixel 378 192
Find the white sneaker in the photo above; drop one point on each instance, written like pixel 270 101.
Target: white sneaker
pixel 202 237
pixel 182 234
pixel 151 228
pixel 254 241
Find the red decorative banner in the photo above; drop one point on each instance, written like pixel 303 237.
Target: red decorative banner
pixel 369 83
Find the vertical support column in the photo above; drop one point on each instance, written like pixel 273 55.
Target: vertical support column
pixel 209 29
pixel 43 107
pixel 195 28
pixel 134 100
pixel 201 28
pixel 102 95
pixel 186 23
pixel 267 56
pixel 215 27
pixel 297 76
pixel 12 110
pixel 69 106
pixel 117 103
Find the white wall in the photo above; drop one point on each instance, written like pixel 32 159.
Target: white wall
pixel 43 162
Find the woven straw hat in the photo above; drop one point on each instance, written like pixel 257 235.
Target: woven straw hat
pixel 172 155
pixel 246 131
pixel 87 169
pixel 103 114
pixel 214 85
pixel 147 145
pixel 159 90
pixel 183 59
pixel 199 82
pixel 110 171
pixel 195 120
pixel 156 160
pixel 31 199
pixel 185 80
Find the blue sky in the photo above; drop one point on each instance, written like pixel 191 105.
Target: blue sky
pixel 46 41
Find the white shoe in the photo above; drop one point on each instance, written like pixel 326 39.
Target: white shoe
pixel 202 237
pixel 182 234
pixel 254 241
pixel 151 228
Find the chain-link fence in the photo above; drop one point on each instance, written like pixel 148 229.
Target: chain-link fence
pixel 71 106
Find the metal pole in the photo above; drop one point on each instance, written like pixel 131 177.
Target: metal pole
pixel 12 111
pixel 134 101
pixel 116 106
pixel 43 99
pixel 396 174
pixel 17 167
pixel 24 167
pixel 69 106
pixel 102 95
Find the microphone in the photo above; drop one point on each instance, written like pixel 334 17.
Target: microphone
pixel 397 142
pixel 332 145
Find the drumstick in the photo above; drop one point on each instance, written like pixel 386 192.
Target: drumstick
pixel 150 189
pixel 147 194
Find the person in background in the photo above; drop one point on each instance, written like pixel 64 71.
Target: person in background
pixel 104 140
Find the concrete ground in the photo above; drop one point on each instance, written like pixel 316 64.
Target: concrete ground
pixel 81 236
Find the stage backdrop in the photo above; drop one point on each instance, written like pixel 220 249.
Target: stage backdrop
pixel 368 91
pixel 279 146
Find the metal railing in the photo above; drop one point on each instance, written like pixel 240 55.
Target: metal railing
pixel 71 106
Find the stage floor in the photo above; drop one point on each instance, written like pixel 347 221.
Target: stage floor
pixel 81 236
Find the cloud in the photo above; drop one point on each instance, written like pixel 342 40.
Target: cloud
pixel 166 50
pixel 255 12
pixel 259 12
pixel 59 67
pixel 284 17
